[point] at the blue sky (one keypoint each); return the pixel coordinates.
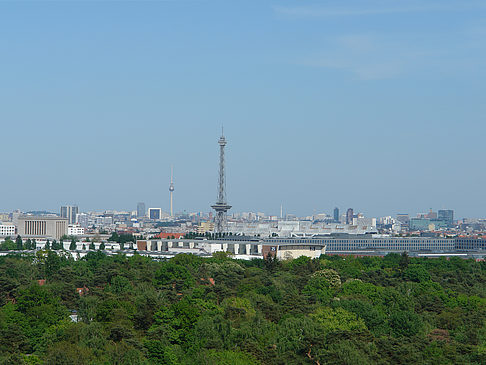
(375, 105)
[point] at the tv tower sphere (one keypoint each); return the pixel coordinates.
(171, 190)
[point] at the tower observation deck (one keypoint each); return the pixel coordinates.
(171, 191)
(221, 206)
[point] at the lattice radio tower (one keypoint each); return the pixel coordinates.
(221, 206)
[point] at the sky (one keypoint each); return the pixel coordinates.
(375, 105)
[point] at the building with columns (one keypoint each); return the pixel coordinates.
(30, 226)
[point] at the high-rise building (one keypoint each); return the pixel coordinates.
(141, 210)
(155, 213)
(336, 215)
(70, 212)
(446, 215)
(404, 219)
(349, 216)
(83, 220)
(431, 214)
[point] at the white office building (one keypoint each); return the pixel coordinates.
(75, 230)
(7, 230)
(297, 228)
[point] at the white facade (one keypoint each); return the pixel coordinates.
(7, 230)
(287, 228)
(362, 221)
(75, 230)
(284, 254)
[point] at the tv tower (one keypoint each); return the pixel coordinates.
(221, 207)
(171, 190)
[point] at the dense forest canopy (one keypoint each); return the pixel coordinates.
(190, 310)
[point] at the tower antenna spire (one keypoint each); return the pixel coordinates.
(171, 190)
(221, 206)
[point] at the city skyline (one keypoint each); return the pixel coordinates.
(366, 105)
(142, 211)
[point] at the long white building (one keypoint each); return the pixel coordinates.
(245, 249)
(300, 228)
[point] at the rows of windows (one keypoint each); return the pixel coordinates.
(390, 241)
(392, 246)
(470, 244)
(297, 240)
(298, 247)
(398, 244)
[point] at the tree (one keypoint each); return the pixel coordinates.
(296, 337)
(338, 319)
(53, 263)
(318, 290)
(271, 262)
(170, 274)
(92, 246)
(19, 243)
(405, 323)
(28, 244)
(8, 244)
(72, 246)
(330, 275)
(102, 246)
(64, 352)
(404, 260)
(416, 273)
(217, 310)
(48, 245)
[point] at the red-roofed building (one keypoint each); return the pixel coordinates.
(82, 291)
(170, 235)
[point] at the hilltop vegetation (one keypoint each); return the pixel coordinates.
(191, 310)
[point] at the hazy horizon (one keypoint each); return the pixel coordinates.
(374, 105)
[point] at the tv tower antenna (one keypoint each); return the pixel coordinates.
(171, 190)
(221, 206)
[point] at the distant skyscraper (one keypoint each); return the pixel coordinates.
(404, 220)
(431, 214)
(70, 212)
(336, 214)
(141, 210)
(446, 215)
(221, 207)
(349, 216)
